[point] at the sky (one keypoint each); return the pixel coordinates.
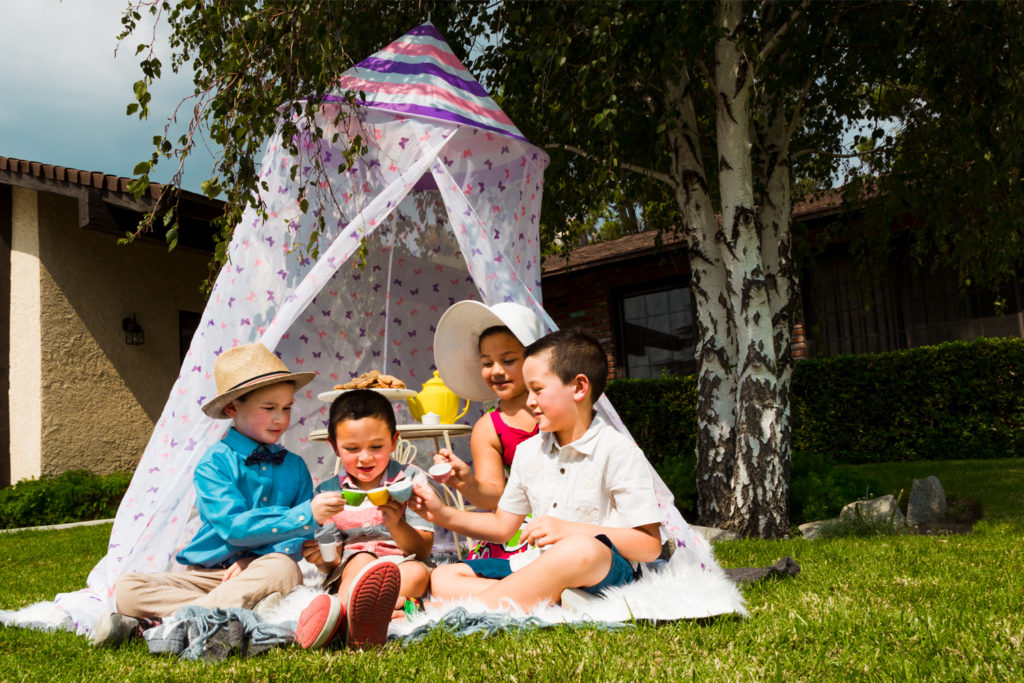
(63, 92)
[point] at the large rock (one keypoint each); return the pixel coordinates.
(927, 502)
(882, 511)
(815, 530)
(713, 534)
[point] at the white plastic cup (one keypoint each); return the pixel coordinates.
(329, 538)
(431, 419)
(329, 550)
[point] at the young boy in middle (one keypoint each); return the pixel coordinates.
(588, 486)
(363, 434)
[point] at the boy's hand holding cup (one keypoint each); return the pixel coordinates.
(425, 501)
(327, 504)
(392, 511)
(311, 553)
(329, 540)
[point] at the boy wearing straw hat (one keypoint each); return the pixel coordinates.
(255, 500)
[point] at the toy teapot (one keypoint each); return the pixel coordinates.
(436, 398)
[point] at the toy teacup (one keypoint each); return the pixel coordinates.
(378, 496)
(441, 472)
(353, 497)
(401, 490)
(329, 540)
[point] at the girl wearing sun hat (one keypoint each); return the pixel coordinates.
(478, 351)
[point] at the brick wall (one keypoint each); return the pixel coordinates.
(586, 298)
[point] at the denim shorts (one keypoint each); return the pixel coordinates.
(620, 573)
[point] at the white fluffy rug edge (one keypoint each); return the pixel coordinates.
(680, 590)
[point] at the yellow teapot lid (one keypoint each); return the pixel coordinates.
(435, 380)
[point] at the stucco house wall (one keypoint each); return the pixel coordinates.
(101, 397)
(79, 396)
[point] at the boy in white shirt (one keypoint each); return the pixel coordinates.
(588, 487)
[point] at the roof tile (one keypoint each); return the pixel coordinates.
(74, 176)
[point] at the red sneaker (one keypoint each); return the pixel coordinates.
(371, 602)
(320, 621)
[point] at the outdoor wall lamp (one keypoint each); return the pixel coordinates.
(134, 335)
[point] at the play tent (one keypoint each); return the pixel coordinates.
(443, 206)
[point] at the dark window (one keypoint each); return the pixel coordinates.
(658, 332)
(188, 323)
(899, 307)
(854, 314)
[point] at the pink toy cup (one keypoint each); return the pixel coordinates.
(441, 472)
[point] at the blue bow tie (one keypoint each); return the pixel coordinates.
(263, 454)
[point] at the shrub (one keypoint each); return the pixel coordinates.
(953, 401)
(73, 496)
(959, 400)
(662, 416)
(819, 490)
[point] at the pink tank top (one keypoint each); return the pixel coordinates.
(510, 437)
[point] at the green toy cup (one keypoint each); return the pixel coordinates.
(353, 497)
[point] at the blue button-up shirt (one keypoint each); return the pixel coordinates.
(248, 509)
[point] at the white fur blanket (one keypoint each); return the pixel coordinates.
(674, 590)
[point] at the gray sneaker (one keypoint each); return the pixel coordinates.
(115, 629)
(226, 640)
(170, 637)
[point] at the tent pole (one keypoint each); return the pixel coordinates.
(387, 304)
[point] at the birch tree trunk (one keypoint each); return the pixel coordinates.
(742, 281)
(716, 342)
(776, 211)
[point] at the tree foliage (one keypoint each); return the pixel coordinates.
(939, 128)
(949, 167)
(666, 114)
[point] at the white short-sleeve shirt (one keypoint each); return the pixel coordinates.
(602, 478)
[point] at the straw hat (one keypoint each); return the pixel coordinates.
(457, 342)
(246, 368)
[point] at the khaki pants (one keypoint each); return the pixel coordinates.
(149, 595)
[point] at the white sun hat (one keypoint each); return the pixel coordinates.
(457, 342)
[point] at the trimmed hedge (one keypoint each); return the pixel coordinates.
(958, 400)
(954, 401)
(662, 416)
(73, 496)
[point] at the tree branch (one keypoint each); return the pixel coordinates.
(650, 173)
(797, 111)
(774, 40)
(822, 152)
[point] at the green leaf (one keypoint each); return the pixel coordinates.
(139, 186)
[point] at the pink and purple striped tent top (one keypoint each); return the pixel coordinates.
(419, 75)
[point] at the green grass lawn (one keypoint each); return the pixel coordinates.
(886, 608)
